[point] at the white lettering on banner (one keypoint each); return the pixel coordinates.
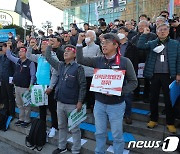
(122, 2)
(110, 3)
(110, 11)
(5, 19)
(26, 97)
(100, 4)
(108, 81)
(38, 95)
(170, 144)
(75, 118)
(2, 16)
(109, 7)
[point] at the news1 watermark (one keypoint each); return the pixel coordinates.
(169, 144)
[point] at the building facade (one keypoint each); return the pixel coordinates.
(9, 17)
(81, 11)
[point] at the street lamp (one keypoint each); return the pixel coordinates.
(46, 26)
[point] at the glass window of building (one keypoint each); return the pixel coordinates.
(90, 11)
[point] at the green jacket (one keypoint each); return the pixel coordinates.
(173, 54)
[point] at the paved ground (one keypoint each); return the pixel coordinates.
(7, 149)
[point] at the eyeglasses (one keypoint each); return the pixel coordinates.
(106, 42)
(163, 29)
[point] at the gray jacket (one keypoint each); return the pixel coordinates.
(94, 61)
(34, 58)
(91, 50)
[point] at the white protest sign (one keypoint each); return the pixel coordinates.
(140, 70)
(75, 118)
(26, 97)
(108, 81)
(38, 95)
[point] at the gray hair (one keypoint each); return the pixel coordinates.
(93, 33)
(161, 18)
(144, 21)
(167, 25)
(128, 22)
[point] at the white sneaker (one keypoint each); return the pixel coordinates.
(52, 132)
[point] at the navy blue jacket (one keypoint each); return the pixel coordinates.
(67, 88)
(7, 68)
(22, 76)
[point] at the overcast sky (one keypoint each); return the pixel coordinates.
(41, 12)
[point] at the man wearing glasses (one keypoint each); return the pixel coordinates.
(109, 106)
(162, 67)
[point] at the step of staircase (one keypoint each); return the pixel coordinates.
(138, 117)
(17, 140)
(88, 147)
(146, 106)
(138, 129)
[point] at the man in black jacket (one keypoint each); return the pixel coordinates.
(12, 39)
(131, 32)
(130, 51)
(33, 42)
(142, 57)
(6, 73)
(109, 107)
(23, 78)
(57, 47)
(175, 29)
(103, 29)
(74, 37)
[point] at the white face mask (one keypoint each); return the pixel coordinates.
(87, 40)
(121, 36)
(60, 31)
(159, 48)
(116, 23)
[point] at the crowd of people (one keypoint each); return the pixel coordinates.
(65, 62)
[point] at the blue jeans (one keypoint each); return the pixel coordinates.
(114, 113)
